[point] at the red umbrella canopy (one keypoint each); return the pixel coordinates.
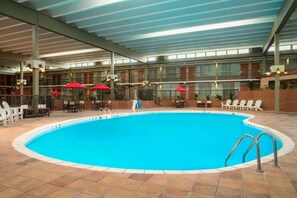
(55, 92)
(75, 85)
(100, 87)
(180, 89)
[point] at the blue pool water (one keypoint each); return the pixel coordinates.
(154, 141)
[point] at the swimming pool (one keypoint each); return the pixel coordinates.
(152, 141)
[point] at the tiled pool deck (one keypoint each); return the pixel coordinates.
(22, 176)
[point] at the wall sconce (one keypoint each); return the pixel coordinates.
(112, 77)
(146, 83)
(288, 60)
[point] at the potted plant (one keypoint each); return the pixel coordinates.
(207, 97)
(195, 96)
(218, 97)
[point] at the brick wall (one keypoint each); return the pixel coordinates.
(288, 99)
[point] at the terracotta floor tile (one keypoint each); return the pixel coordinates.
(232, 174)
(228, 192)
(181, 184)
(82, 195)
(198, 195)
(279, 182)
(119, 193)
(143, 195)
(98, 189)
(279, 192)
(256, 178)
(151, 189)
(79, 173)
(248, 194)
(62, 193)
(131, 184)
(211, 179)
(204, 189)
(14, 181)
(141, 177)
(48, 177)
(5, 175)
(230, 183)
(112, 180)
(28, 185)
(172, 192)
(159, 179)
(44, 190)
(10, 193)
(95, 176)
(255, 187)
(26, 195)
(63, 181)
(80, 185)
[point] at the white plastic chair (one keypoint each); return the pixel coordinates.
(257, 106)
(3, 119)
(248, 105)
(234, 104)
(240, 105)
(11, 113)
(226, 105)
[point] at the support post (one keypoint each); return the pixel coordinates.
(276, 77)
(112, 73)
(35, 85)
(21, 85)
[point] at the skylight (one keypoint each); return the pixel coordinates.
(70, 53)
(207, 27)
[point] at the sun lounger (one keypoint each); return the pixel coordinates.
(248, 105)
(234, 104)
(240, 105)
(226, 105)
(257, 106)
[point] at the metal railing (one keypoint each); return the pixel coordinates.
(255, 142)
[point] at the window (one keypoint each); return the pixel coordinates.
(153, 58)
(271, 49)
(119, 61)
(180, 56)
(126, 60)
(294, 46)
(285, 47)
(200, 54)
(133, 61)
(170, 57)
(221, 53)
(91, 64)
(84, 64)
(243, 51)
(210, 53)
(106, 62)
(191, 55)
(231, 52)
(78, 65)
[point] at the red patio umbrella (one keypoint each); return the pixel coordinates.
(180, 89)
(74, 85)
(55, 92)
(100, 87)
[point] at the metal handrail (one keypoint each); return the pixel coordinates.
(255, 141)
(274, 147)
(107, 110)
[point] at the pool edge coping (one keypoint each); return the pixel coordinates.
(19, 145)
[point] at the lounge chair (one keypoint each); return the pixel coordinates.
(226, 105)
(257, 105)
(12, 114)
(3, 119)
(240, 105)
(234, 104)
(248, 105)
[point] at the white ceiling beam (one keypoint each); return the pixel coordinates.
(284, 15)
(28, 15)
(44, 5)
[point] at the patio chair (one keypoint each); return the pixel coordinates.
(226, 105)
(11, 113)
(3, 119)
(108, 105)
(81, 105)
(234, 104)
(240, 105)
(65, 105)
(248, 105)
(257, 106)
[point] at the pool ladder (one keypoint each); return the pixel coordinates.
(106, 111)
(254, 142)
